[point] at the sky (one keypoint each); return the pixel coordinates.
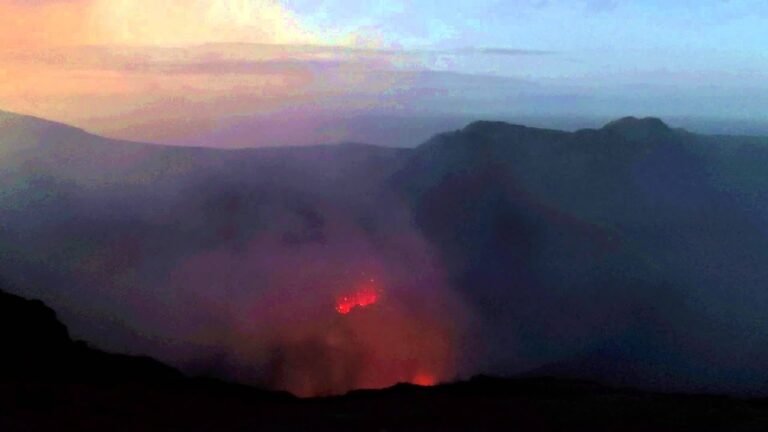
(181, 71)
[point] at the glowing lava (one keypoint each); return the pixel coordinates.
(365, 296)
(424, 379)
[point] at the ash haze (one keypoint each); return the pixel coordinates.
(234, 73)
(322, 197)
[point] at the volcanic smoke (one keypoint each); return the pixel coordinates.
(313, 317)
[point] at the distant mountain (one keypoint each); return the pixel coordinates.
(635, 237)
(637, 247)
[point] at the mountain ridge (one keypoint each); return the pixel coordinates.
(520, 223)
(622, 124)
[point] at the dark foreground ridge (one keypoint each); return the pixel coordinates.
(49, 382)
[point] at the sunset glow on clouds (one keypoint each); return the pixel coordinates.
(119, 66)
(159, 22)
(175, 71)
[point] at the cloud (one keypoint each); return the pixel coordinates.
(44, 23)
(206, 58)
(172, 66)
(159, 22)
(179, 22)
(514, 52)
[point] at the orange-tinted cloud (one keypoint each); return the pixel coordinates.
(178, 22)
(159, 22)
(34, 24)
(171, 71)
(120, 66)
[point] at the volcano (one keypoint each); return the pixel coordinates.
(496, 248)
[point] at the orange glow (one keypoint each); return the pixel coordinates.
(424, 379)
(160, 22)
(44, 24)
(148, 70)
(183, 22)
(365, 296)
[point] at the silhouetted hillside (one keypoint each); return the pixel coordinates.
(37, 349)
(50, 383)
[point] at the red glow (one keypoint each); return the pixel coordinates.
(424, 379)
(365, 296)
